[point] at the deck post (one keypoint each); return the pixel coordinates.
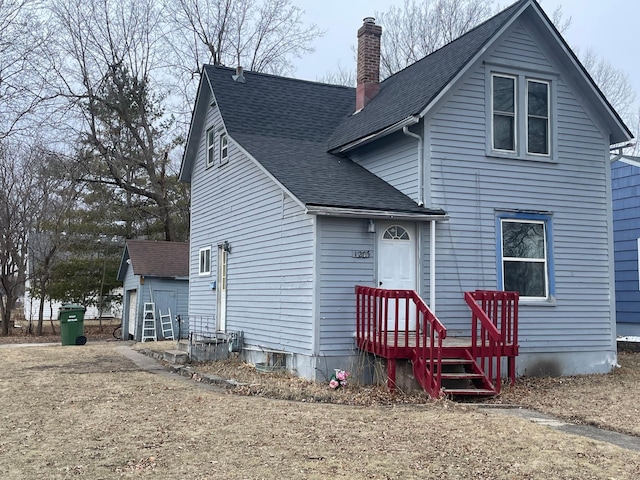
(391, 374)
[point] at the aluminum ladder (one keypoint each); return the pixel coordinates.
(149, 322)
(166, 326)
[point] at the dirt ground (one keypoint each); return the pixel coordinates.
(89, 412)
(94, 330)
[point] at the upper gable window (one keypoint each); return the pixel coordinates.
(210, 147)
(520, 116)
(224, 149)
(504, 113)
(537, 117)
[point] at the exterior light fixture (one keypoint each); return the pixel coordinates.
(371, 226)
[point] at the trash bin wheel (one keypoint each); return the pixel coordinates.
(81, 340)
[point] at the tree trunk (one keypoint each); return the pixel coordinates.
(40, 316)
(6, 317)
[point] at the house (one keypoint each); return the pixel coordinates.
(45, 256)
(482, 167)
(626, 233)
(155, 278)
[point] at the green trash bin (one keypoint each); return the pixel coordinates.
(72, 324)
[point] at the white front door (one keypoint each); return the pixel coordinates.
(223, 257)
(397, 266)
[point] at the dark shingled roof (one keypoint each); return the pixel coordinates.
(285, 123)
(409, 91)
(156, 259)
(290, 125)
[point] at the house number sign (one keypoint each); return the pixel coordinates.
(361, 253)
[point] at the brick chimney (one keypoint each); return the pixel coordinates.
(368, 62)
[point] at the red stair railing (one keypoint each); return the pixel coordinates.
(494, 332)
(422, 342)
(428, 352)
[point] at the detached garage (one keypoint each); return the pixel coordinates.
(155, 278)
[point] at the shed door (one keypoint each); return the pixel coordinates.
(397, 266)
(133, 308)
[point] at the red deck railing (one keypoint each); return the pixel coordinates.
(398, 324)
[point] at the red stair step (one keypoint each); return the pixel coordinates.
(460, 375)
(469, 391)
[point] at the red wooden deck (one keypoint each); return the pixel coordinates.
(397, 324)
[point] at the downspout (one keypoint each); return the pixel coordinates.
(432, 266)
(432, 223)
(408, 133)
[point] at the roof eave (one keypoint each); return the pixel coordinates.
(191, 145)
(347, 212)
(405, 122)
(481, 51)
(122, 269)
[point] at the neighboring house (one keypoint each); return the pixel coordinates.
(157, 273)
(626, 234)
(484, 165)
(39, 246)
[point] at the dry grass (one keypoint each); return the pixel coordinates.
(609, 401)
(88, 412)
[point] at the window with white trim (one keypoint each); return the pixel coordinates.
(520, 116)
(504, 112)
(537, 117)
(205, 261)
(525, 261)
(395, 232)
(210, 147)
(224, 149)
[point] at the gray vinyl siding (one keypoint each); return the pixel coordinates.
(340, 272)
(270, 267)
(167, 293)
(395, 160)
(626, 218)
(572, 186)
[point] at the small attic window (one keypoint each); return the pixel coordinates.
(210, 147)
(224, 149)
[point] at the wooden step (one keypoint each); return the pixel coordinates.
(456, 361)
(469, 391)
(460, 375)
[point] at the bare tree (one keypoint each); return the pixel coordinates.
(259, 35)
(614, 82)
(561, 22)
(418, 28)
(108, 63)
(48, 237)
(20, 93)
(341, 76)
(20, 203)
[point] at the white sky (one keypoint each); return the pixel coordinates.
(606, 26)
